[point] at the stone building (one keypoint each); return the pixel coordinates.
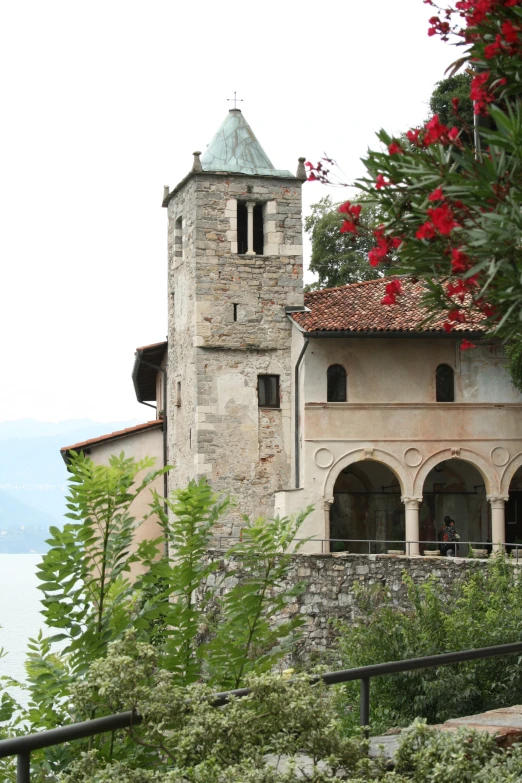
(380, 422)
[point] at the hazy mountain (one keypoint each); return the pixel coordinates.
(23, 528)
(33, 474)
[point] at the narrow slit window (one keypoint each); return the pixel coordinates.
(268, 391)
(178, 239)
(178, 394)
(336, 383)
(242, 227)
(445, 383)
(235, 311)
(258, 230)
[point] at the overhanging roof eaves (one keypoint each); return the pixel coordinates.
(144, 375)
(412, 334)
(86, 445)
(180, 185)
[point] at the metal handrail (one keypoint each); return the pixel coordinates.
(22, 747)
(502, 546)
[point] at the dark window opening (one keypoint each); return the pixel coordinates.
(258, 229)
(445, 383)
(242, 227)
(268, 391)
(235, 311)
(336, 384)
(178, 238)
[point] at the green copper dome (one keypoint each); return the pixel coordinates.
(235, 149)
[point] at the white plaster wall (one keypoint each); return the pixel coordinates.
(138, 445)
(391, 416)
(384, 369)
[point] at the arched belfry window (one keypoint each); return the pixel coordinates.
(445, 383)
(336, 383)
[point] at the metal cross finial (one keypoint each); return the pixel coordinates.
(235, 100)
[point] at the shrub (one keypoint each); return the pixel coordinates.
(484, 609)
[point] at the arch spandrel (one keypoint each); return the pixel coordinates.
(509, 471)
(486, 470)
(361, 455)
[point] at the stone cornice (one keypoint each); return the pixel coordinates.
(447, 406)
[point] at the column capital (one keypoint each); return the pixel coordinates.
(250, 205)
(497, 501)
(411, 502)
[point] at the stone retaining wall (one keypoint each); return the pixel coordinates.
(331, 581)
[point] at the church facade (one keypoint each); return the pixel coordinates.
(383, 425)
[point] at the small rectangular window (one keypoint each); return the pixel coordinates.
(178, 394)
(235, 312)
(268, 391)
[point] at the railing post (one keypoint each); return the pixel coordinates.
(23, 768)
(365, 703)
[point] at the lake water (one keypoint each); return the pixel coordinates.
(20, 617)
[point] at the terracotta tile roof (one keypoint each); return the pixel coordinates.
(357, 308)
(86, 444)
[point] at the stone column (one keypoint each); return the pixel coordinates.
(326, 544)
(498, 521)
(250, 228)
(412, 525)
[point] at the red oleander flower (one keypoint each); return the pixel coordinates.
(413, 135)
(465, 345)
(455, 103)
(348, 227)
(447, 326)
(350, 209)
(493, 49)
(458, 289)
(437, 195)
(426, 231)
(487, 309)
(381, 182)
(459, 261)
(374, 258)
(510, 32)
(458, 316)
(395, 149)
(394, 287)
(442, 219)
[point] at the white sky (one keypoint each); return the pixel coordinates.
(103, 103)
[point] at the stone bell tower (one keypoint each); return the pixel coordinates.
(235, 263)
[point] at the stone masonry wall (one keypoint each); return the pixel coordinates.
(217, 351)
(330, 581)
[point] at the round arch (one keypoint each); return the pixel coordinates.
(509, 471)
(486, 470)
(361, 455)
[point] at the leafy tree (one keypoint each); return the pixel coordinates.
(454, 88)
(213, 633)
(200, 631)
(338, 258)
